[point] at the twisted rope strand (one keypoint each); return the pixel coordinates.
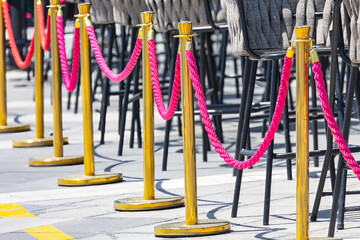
(69, 80)
(14, 50)
(320, 85)
(102, 63)
(45, 38)
(169, 113)
(284, 84)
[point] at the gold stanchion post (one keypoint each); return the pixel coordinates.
(89, 178)
(148, 202)
(302, 132)
(192, 226)
(40, 140)
(4, 126)
(58, 159)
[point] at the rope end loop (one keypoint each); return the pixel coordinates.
(290, 52)
(77, 23)
(87, 22)
(151, 34)
(188, 46)
(140, 36)
(314, 56)
(59, 13)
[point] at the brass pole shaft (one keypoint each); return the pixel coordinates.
(187, 100)
(86, 91)
(302, 133)
(3, 110)
(148, 112)
(56, 85)
(39, 78)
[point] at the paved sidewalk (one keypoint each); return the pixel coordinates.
(87, 212)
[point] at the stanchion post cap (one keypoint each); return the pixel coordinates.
(302, 32)
(185, 28)
(84, 8)
(54, 2)
(147, 17)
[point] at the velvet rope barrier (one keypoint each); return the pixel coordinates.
(45, 38)
(284, 84)
(169, 113)
(335, 131)
(101, 61)
(70, 80)
(14, 50)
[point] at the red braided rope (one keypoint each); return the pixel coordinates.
(14, 50)
(320, 85)
(175, 95)
(102, 63)
(284, 84)
(69, 80)
(45, 38)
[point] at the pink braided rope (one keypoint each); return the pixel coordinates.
(320, 85)
(284, 84)
(69, 80)
(104, 67)
(169, 113)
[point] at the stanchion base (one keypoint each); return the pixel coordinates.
(320, 238)
(82, 180)
(204, 227)
(140, 204)
(36, 142)
(14, 128)
(48, 161)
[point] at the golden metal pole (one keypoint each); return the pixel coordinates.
(56, 85)
(39, 140)
(39, 78)
(87, 94)
(187, 100)
(192, 225)
(4, 127)
(148, 202)
(302, 132)
(89, 178)
(3, 110)
(58, 159)
(148, 112)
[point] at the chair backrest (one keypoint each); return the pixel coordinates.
(169, 13)
(350, 12)
(270, 23)
(128, 12)
(102, 11)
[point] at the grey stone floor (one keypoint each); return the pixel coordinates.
(87, 212)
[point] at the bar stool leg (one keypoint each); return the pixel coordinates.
(270, 150)
(245, 129)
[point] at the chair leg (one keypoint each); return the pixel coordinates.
(340, 224)
(266, 94)
(345, 131)
(287, 139)
(202, 67)
(213, 84)
(135, 113)
(106, 86)
(168, 123)
(245, 128)
(126, 97)
(222, 64)
(245, 84)
(314, 124)
(77, 93)
(270, 150)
